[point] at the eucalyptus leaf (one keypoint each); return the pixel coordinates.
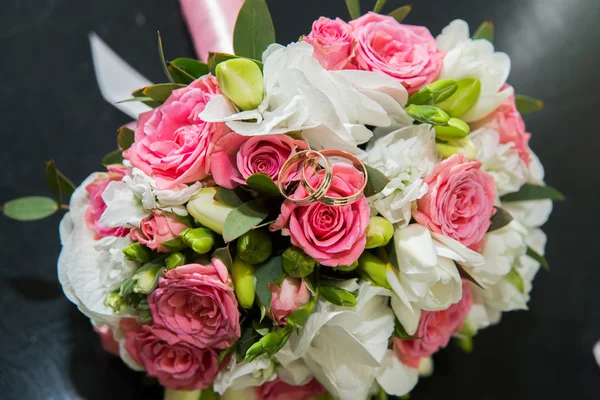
(500, 219)
(215, 58)
(379, 6)
(163, 61)
(267, 273)
(530, 191)
(337, 296)
(224, 255)
(115, 157)
(254, 30)
(377, 181)
(30, 208)
(243, 218)
(65, 184)
(186, 70)
(401, 13)
(248, 338)
(139, 96)
(229, 197)
(353, 8)
(161, 92)
(125, 137)
(485, 31)
(538, 257)
(263, 184)
(528, 105)
(52, 180)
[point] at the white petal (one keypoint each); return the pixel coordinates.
(409, 319)
(122, 208)
(415, 242)
(487, 103)
(461, 252)
(597, 352)
(396, 378)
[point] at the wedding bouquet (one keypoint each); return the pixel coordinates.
(307, 221)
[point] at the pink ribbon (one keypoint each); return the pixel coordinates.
(211, 24)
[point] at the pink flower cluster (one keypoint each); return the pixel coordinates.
(378, 43)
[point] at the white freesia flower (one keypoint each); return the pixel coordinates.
(501, 161)
(405, 156)
(396, 378)
(240, 375)
(123, 209)
(115, 268)
(343, 347)
(467, 58)
(144, 188)
(80, 264)
(597, 352)
(331, 108)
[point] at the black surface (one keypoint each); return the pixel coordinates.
(50, 107)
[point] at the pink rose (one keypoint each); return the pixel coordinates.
(279, 390)
(108, 341)
(172, 142)
(96, 206)
(434, 330)
(236, 157)
(287, 298)
(176, 363)
(197, 304)
(156, 229)
(405, 52)
(332, 41)
(332, 235)
(459, 202)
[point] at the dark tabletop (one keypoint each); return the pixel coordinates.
(50, 107)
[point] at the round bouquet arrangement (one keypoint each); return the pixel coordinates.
(309, 221)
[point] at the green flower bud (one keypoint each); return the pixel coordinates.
(145, 317)
(172, 394)
(242, 274)
(175, 260)
(456, 129)
(427, 114)
(137, 252)
(175, 244)
(347, 268)
(115, 301)
(207, 211)
(201, 240)
(269, 344)
(464, 146)
(379, 232)
(373, 268)
(434, 92)
(463, 99)
(296, 263)
(337, 296)
(254, 246)
(241, 80)
(146, 278)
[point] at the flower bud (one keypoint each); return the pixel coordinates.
(427, 114)
(347, 268)
(379, 232)
(115, 301)
(207, 211)
(269, 344)
(137, 252)
(172, 394)
(373, 268)
(241, 80)
(174, 260)
(463, 99)
(464, 146)
(254, 246)
(456, 129)
(242, 274)
(435, 92)
(146, 278)
(201, 240)
(338, 296)
(426, 367)
(296, 263)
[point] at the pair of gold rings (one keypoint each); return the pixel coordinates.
(295, 170)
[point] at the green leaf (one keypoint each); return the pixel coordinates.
(377, 181)
(379, 6)
(243, 218)
(125, 137)
(65, 184)
(224, 255)
(216, 58)
(254, 30)
(163, 61)
(400, 332)
(224, 353)
(248, 338)
(262, 328)
(161, 92)
(485, 31)
(139, 96)
(528, 105)
(538, 257)
(263, 184)
(269, 344)
(466, 344)
(337, 296)
(175, 244)
(500, 219)
(52, 179)
(115, 157)
(467, 275)
(298, 318)
(229, 197)
(401, 13)
(529, 191)
(30, 208)
(186, 70)
(353, 8)
(266, 273)
(516, 280)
